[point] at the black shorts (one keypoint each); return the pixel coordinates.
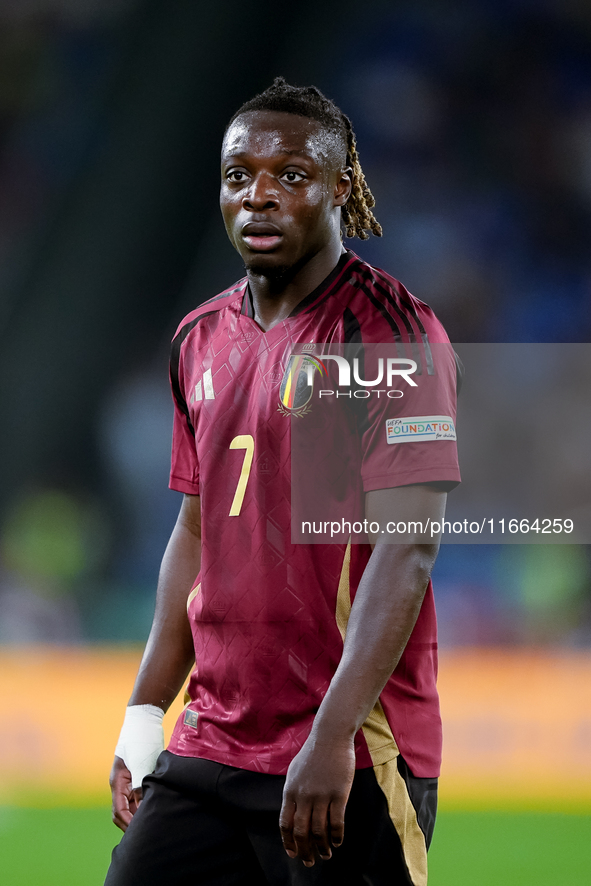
(206, 824)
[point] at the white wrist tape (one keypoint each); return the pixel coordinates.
(141, 740)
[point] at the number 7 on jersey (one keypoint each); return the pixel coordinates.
(246, 442)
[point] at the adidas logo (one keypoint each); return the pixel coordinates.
(204, 390)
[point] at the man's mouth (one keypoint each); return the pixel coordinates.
(260, 237)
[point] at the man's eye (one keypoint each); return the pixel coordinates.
(292, 176)
(236, 175)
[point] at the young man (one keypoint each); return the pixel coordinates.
(313, 717)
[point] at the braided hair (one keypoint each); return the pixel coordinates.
(308, 101)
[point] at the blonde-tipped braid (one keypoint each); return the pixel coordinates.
(358, 218)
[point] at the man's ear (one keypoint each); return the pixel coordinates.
(343, 187)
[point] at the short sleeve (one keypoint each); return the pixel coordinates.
(411, 438)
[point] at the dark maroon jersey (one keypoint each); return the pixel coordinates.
(269, 616)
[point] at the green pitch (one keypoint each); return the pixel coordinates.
(72, 847)
(521, 848)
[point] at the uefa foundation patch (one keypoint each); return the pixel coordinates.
(420, 428)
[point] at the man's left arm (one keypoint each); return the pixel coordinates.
(383, 615)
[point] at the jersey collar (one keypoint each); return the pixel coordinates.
(247, 308)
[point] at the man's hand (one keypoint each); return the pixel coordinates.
(125, 799)
(383, 615)
(317, 788)
(167, 660)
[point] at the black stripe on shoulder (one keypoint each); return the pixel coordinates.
(409, 304)
(175, 354)
(395, 328)
(409, 330)
(428, 354)
(460, 372)
(352, 336)
(399, 312)
(324, 289)
(352, 329)
(347, 269)
(405, 301)
(413, 312)
(360, 285)
(247, 309)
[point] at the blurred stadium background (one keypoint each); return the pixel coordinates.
(473, 120)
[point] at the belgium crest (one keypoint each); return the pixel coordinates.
(297, 385)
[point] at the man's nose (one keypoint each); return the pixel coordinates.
(262, 194)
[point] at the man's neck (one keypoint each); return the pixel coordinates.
(274, 298)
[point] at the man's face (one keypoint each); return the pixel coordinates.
(283, 183)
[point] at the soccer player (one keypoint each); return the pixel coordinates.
(309, 747)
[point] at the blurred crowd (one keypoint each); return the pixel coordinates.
(473, 122)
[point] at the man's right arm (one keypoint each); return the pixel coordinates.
(169, 653)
